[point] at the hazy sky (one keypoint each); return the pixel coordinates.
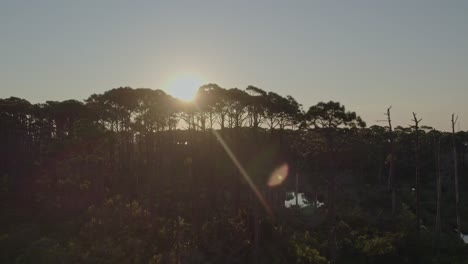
(368, 55)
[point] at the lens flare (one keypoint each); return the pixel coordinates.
(242, 171)
(278, 176)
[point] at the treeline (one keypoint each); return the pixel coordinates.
(137, 176)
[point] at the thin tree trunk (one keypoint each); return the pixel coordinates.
(418, 215)
(296, 194)
(331, 203)
(439, 188)
(455, 172)
(391, 175)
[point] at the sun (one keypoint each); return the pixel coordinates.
(184, 86)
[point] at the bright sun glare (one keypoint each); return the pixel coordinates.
(184, 86)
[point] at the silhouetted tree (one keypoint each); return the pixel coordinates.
(331, 120)
(418, 191)
(455, 172)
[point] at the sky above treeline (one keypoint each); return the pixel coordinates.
(368, 55)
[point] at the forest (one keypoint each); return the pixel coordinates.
(138, 176)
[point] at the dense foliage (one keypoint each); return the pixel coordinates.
(137, 176)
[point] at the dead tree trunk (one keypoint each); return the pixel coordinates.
(418, 215)
(455, 172)
(391, 177)
(439, 187)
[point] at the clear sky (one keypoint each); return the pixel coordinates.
(368, 55)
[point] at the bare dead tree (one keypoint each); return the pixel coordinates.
(455, 171)
(418, 215)
(391, 177)
(439, 186)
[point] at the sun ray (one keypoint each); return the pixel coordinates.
(243, 172)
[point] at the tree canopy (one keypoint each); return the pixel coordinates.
(138, 176)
